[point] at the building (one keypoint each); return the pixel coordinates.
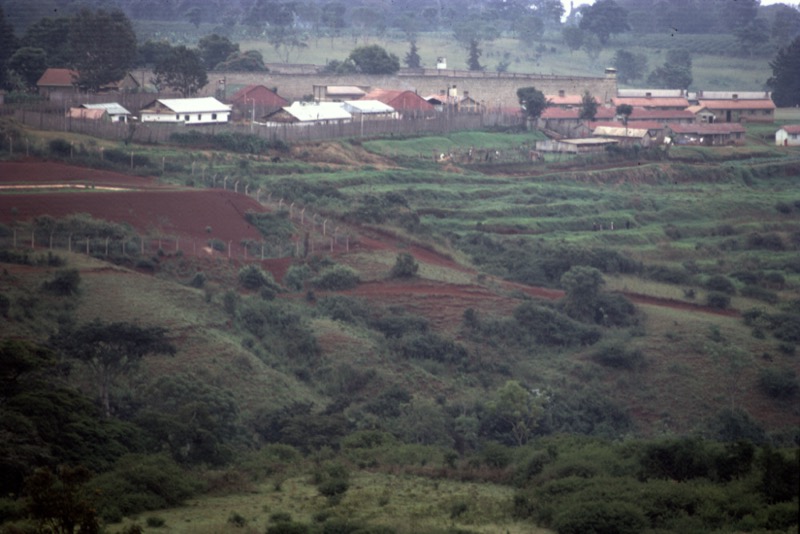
(407, 103)
(307, 113)
(788, 135)
(114, 111)
(664, 99)
(565, 101)
(338, 93)
(369, 110)
(576, 146)
(57, 83)
(204, 110)
(88, 114)
(256, 101)
(626, 136)
(717, 134)
(738, 107)
(701, 114)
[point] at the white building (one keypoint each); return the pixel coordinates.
(788, 135)
(369, 109)
(116, 113)
(206, 110)
(310, 113)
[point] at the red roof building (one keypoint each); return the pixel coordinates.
(407, 103)
(55, 81)
(741, 109)
(652, 102)
(707, 134)
(256, 101)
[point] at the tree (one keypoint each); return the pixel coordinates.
(474, 56)
(103, 47)
(8, 44)
(182, 71)
(152, 53)
(582, 287)
(630, 66)
(588, 107)
(573, 37)
(739, 13)
(111, 350)
(604, 18)
(60, 502)
(675, 73)
(532, 101)
(625, 111)
(29, 63)
(786, 24)
(374, 60)
(215, 49)
(248, 61)
(405, 266)
(412, 59)
(785, 80)
(52, 36)
(518, 408)
(470, 33)
(752, 34)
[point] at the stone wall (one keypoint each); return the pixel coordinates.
(492, 89)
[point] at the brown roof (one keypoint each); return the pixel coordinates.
(82, 113)
(791, 128)
(58, 78)
(260, 95)
(708, 129)
(764, 103)
(642, 125)
(400, 100)
(652, 102)
(567, 100)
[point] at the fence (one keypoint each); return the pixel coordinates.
(57, 120)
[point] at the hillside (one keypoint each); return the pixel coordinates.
(400, 300)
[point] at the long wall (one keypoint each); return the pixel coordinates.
(493, 89)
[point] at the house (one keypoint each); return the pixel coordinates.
(205, 110)
(114, 111)
(788, 135)
(576, 146)
(128, 84)
(256, 101)
(469, 104)
(437, 101)
(664, 99)
(565, 101)
(655, 129)
(57, 83)
(717, 134)
(369, 110)
(88, 114)
(702, 114)
(338, 93)
(308, 113)
(738, 107)
(626, 136)
(407, 103)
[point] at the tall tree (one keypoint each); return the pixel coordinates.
(752, 34)
(588, 107)
(625, 111)
(52, 36)
(785, 80)
(412, 59)
(29, 63)
(532, 101)
(675, 73)
(103, 47)
(182, 71)
(604, 18)
(8, 45)
(786, 24)
(215, 49)
(111, 350)
(374, 60)
(630, 66)
(573, 37)
(518, 408)
(582, 288)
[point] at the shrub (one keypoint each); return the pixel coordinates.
(254, 277)
(405, 266)
(60, 147)
(618, 357)
(431, 346)
(237, 520)
(345, 309)
(155, 521)
(296, 276)
(600, 517)
(770, 241)
(759, 293)
(719, 300)
(336, 278)
(64, 283)
(198, 280)
(778, 383)
(721, 284)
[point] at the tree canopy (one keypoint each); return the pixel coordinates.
(373, 59)
(102, 47)
(532, 100)
(182, 70)
(785, 80)
(588, 107)
(675, 73)
(214, 49)
(604, 18)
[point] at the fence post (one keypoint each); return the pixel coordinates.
(87, 245)
(262, 250)
(69, 242)
(177, 243)
(229, 249)
(141, 244)
(106, 247)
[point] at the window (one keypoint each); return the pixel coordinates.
(213, 116)
(177, 116)
(199, 116)
(186, 117)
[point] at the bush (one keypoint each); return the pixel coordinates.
(64, 283)
(336, 278)
(296, 276)
(778, 383)
(404, 267)
(254, 277)
(430, 346)
(345, 309)
(60, 147)
(198, 280)
(759, 293)
(600, 517)
(618, 357)
(721, 284)
(719, 300)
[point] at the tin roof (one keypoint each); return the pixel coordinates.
(367, 106)
(82, 113)
(112, 108)
(652, 102)
(206, 104)
(708, 129)
(791, 128)
(344, 90)
(317, 111)
(58, 78)
(400, 100)
(763, 103)
(613, 131)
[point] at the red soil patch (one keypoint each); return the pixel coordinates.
(48, 172)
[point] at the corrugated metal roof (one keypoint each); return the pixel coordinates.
(81, 113)
(614, 131)
(657, 93)
(338, 90)
(791, 128)
(729, 95)
(112, 108)
(589, 141)
(319, 111)
(763, 103)
(652, 102)
(367, 106)
(708, 129)
(207, 104)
